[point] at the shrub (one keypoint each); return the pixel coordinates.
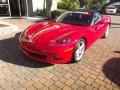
(56, 13)
(68, 4)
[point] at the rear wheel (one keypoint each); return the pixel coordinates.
(106, 32)
(79, 51)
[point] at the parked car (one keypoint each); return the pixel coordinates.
(111, 10)
(117, 5)
(65, 39)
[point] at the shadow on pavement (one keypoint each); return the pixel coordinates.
(117, 52)
(111, 69)
(9, 52)
(115, 23)
(114, 27)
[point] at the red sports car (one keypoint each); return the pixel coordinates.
(65, 39)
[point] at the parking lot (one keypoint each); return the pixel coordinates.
(99, 68)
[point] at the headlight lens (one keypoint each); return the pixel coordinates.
(63, 40)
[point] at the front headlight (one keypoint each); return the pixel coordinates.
(63, 40)
(60, 41)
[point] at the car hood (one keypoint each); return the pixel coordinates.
(41, 34)
(50, 30)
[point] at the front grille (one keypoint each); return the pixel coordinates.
(43, 57)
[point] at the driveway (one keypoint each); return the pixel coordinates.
(99, 68)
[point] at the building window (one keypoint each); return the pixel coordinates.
(4, 8)
(3, 1)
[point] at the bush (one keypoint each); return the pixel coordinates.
(56, 13)
(68, 4)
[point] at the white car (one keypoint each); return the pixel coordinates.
(111, 10)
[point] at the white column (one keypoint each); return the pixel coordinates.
(27, 8)
(9, 8)
(19, 7)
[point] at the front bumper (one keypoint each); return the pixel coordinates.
(54, 56)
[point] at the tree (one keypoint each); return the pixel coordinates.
(48, 8)
(44, 4)
(68, 4)
(95, 3)
(83, 3)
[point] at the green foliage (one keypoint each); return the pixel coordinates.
(56, 13)
(68, 4)
(83, 3)
(95, 3)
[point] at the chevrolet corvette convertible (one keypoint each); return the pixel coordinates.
(66, 38)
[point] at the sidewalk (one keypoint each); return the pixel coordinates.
(7, 30)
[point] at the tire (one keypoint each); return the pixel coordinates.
(79, 51)
(106, 32)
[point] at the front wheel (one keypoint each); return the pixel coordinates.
(79, 50)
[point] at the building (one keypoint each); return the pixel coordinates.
(27, 8)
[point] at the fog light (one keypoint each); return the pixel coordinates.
(57, 58)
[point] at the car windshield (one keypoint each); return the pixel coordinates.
(73, 18)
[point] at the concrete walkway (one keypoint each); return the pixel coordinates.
(10, 29)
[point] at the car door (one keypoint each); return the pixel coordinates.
(98, 27)
(91, 34)
(92, 31)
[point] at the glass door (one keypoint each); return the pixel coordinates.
(14, 6)
(23, 7)
(18, 7)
